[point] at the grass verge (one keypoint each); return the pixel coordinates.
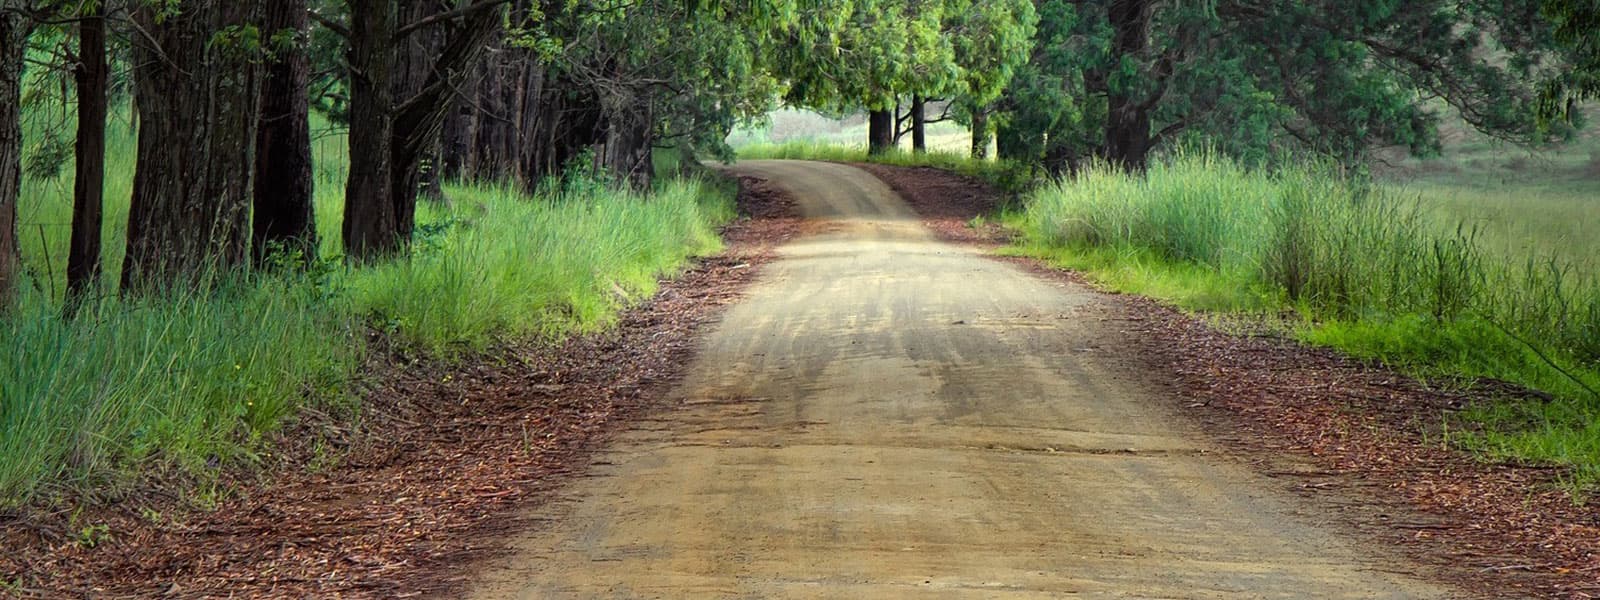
(189, 382)
(1363, 270)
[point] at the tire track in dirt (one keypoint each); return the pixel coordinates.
(889, 416)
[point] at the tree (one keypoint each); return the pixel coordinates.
(88, 190)
(389, 135)
(864, 55)
(1575, 25)
(198, 75)
(1253, 79)
(284, 218)
(15, 25)
(992, 39)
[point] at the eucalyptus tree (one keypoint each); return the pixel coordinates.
(91, 74)
(392, 133)
(992, 40)
(284, 219)
(15, 25)
(1576, 27)
(1332, 76)
(198, 75)
(612, 81)
(848, 55)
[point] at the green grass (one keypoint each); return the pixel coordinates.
(1375, 273)
(184, 383)
(787, 125)
(1006, 176)
(512, 268)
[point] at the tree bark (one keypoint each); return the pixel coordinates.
(198, 89)
(880, 131)
(370, 224)
(919, 124)
(1128, 141)
(88, 188)
(391, 137)
(14, 29)
(980, 133)
(285, 218)
(419, 120)
(626, 152)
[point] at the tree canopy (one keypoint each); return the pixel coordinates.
(524, 89)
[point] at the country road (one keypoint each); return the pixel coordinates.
(890, 416)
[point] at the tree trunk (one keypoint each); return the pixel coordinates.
(980, 133)
(391, 141)
(626, 151)
(919, 124)
(88, 188)
(419, 120)
(1128, 141)
(370, 223)
(414, 61)
(14, 29)
(285, 218)
(198, 88)
(880, 131)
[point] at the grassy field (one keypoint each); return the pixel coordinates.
(183, 383)
(1439, 282)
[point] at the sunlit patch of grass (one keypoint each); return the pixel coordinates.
(494, 264)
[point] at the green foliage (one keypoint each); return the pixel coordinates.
(1375, 275)
(187, 381)
(1262, 81)
(579, 255)
(868, 54)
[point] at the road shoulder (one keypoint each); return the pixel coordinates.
(1357, 443)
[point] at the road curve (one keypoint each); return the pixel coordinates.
(890, 416)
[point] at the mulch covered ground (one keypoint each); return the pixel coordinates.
(442, 465)
(1360, 442)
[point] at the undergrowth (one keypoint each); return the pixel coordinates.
(1371, 272)
(194, 380)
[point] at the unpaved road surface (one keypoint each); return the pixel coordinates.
(890, 416)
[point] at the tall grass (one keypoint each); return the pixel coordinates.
(496, 266)
(192, 380)
(1373, 273)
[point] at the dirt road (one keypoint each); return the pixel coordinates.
(889, 416)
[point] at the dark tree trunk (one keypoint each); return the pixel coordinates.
(880, 131)
(199, 95)
(626, 151)
(523, 122)
(419, 120)
(370, 223)
(980, 133)
(1128, 140)
(14, 30)
(285, 219)
(919, 124)
(88, 188)
(413, 68)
